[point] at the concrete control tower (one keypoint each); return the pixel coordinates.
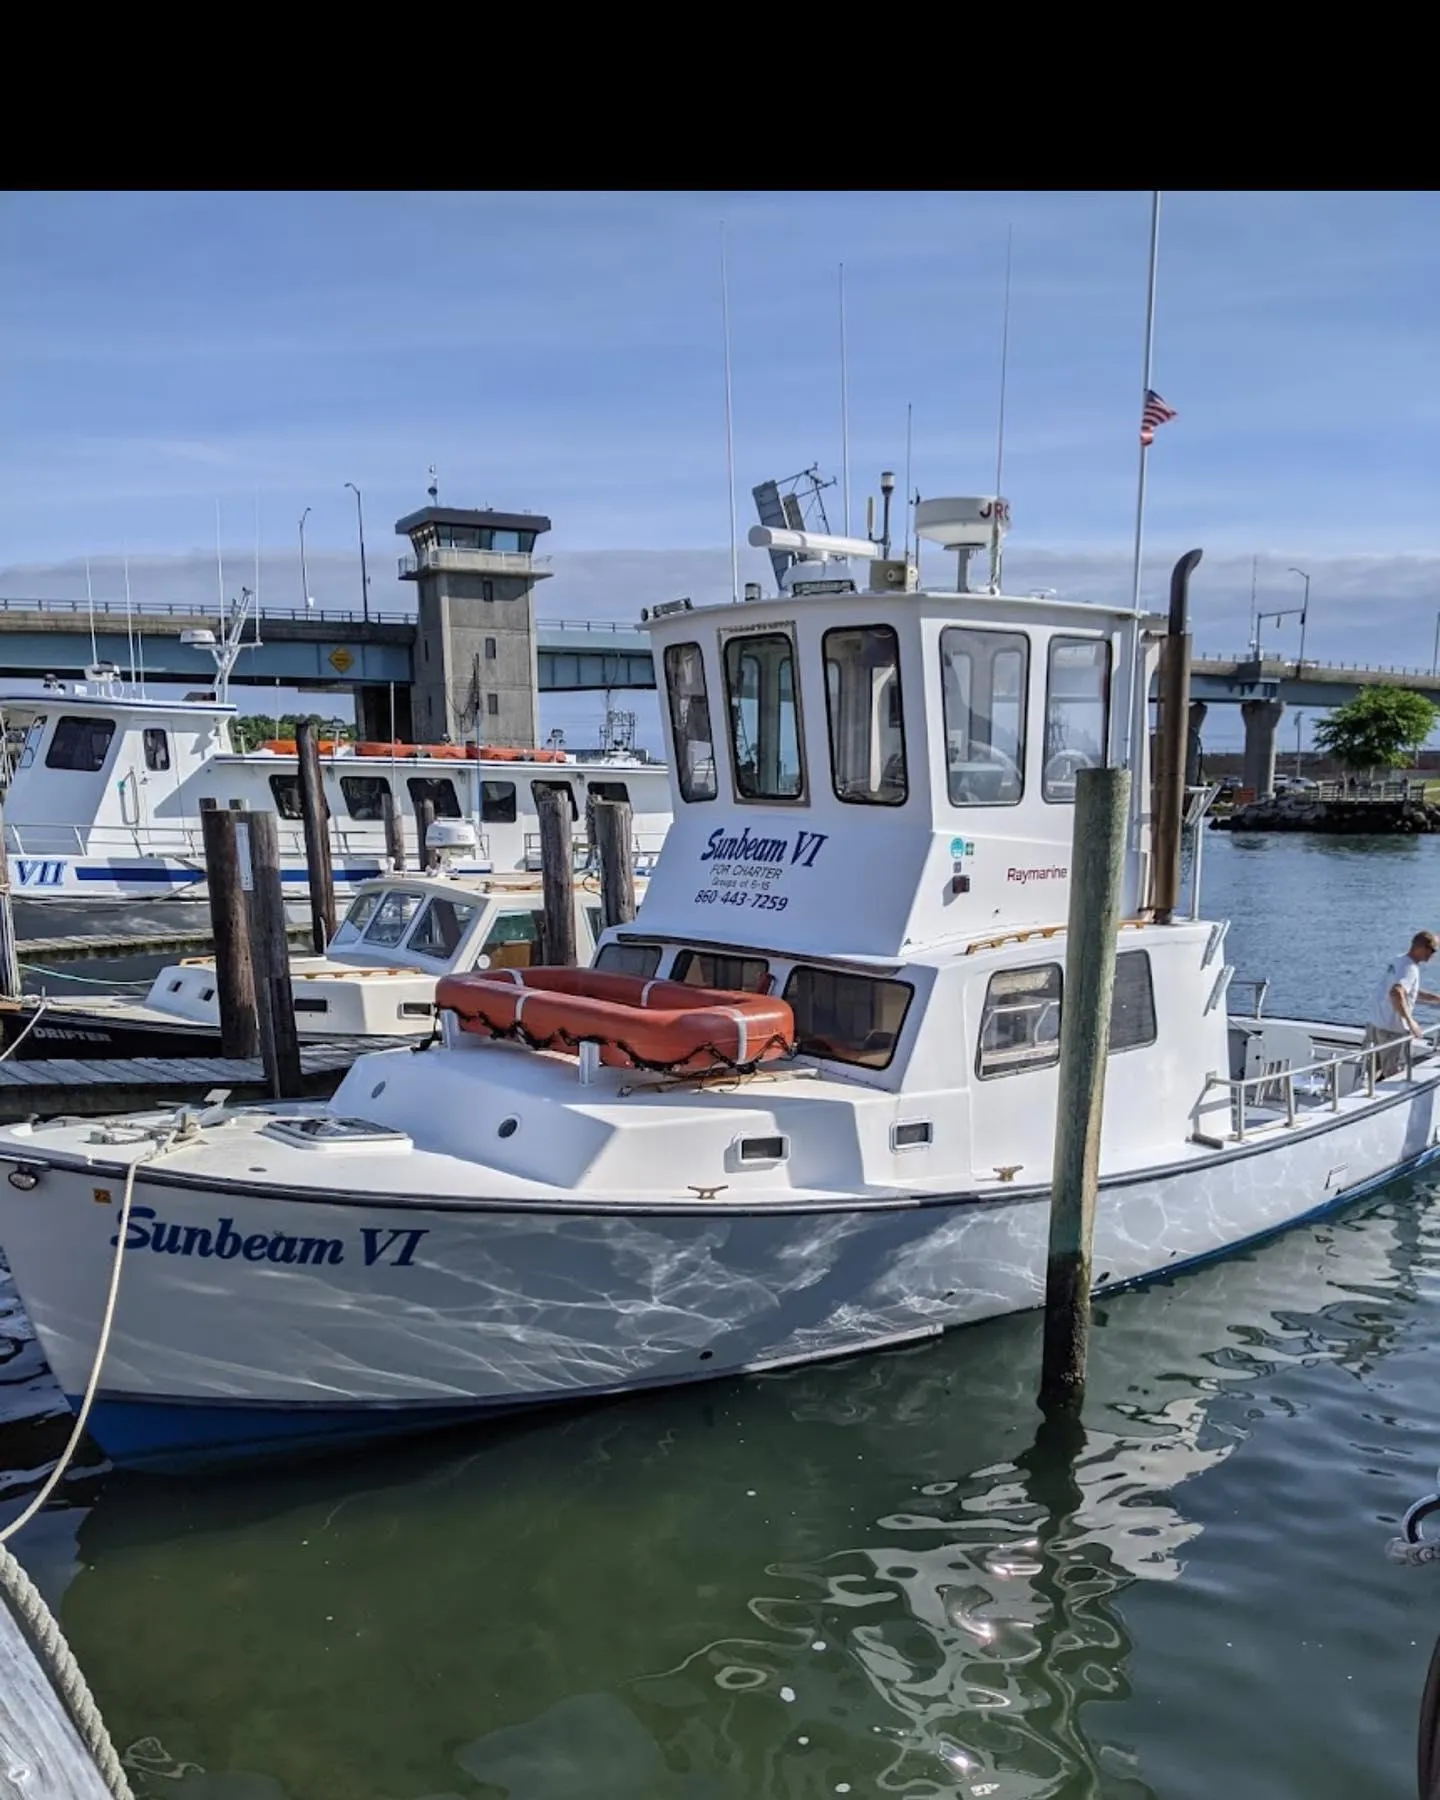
(475, 643)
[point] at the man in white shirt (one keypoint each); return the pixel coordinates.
(1392, 1013)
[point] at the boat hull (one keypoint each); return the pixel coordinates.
(254, 1320)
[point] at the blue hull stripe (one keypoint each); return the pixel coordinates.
(150, 872)
(172, 1435)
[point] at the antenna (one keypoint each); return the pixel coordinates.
(90, 599)
(1254, 622)
(220, 565)
(729, 421)
(844, 413)
(434, 488)
(1004, 364)
(909, 421)
(1145, 390)
(129, 631)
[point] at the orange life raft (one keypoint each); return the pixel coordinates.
(637, 1023)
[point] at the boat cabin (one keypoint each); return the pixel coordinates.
(873, 790)
(112, 775)
(400, 935)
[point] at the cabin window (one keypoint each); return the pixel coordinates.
(80, 744)
(714, 969)
(985, 677)
(439, 790)
(1132, 1010)
(33, 736)
(690, 721)
(555, 787)
(629, 959)
(362, 910)
(1077, 713)
(392, 917)
(610, 790)
(492, 704)
(862, 701)
(847, 1018)
(365, 795)
(489, 649)
(497, 802)
(442, 925)
(764, 700)
(157, 748)
(595, 919)
(286, 792)
(513, 942)
(1020, 1024)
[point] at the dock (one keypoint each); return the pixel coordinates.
(101, 946)
(52, 1086)
(40, 1749)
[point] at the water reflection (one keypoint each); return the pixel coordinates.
(867, 1579)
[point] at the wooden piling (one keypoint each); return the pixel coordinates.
(9, 954)
(557, 876)
(1102, 798)
(279, 1034)
(317, 837)
(42, 1751)
(424, 819)
(394, 832)
(617, 865)
(230, 925)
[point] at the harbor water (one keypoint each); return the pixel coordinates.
(865, 1578)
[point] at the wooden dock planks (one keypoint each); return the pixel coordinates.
(140, 1083)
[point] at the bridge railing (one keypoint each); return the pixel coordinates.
(176, 609)
(1315, 667)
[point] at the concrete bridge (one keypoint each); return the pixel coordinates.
(298, 648)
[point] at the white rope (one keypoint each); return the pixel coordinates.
(35, 1019)
(57, 1474)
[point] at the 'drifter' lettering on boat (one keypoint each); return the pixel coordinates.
(723, 846)
(396, 1248)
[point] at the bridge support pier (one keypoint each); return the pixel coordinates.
(1194, 749)
(1262, 727)
(372, 715)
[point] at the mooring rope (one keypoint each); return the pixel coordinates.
(26, 1601)
(30, 1025)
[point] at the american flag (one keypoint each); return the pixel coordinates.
(1154, 412)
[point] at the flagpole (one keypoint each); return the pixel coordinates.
(1145, 389)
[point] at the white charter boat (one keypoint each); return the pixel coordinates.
(802, 1107)
(102, 812)
(400, 937)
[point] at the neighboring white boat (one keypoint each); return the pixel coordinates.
(102, 814)
(803, 1106)
(402, 934)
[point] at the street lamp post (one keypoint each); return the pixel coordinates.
(1435, 656)
(304, 578)
(1299, 718)
(1304, 615)
(364, 578)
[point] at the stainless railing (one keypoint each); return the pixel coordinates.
(1324, 1074)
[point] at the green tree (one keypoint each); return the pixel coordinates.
(1381, 728)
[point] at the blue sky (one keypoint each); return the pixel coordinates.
(562, 353)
